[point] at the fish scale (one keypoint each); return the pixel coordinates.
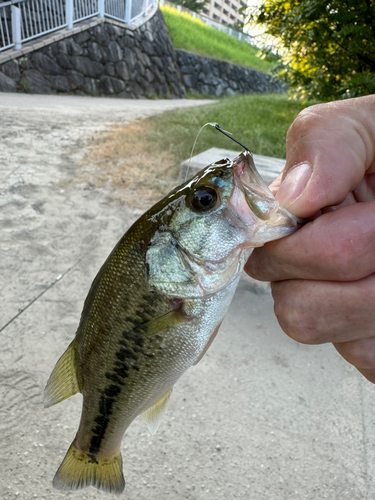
(154, 308)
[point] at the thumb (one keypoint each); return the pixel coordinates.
(330, 147)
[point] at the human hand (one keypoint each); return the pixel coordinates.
(323, 276)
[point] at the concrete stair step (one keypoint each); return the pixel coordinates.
(268, 167)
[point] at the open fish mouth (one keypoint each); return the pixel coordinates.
(255, 205)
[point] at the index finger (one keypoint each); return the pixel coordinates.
(338, 245)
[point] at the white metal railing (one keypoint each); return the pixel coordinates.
(5, 28)
(84, 9)
(24, 20)
(118, 9)
(210, 22)
(40, 16)
(128, 10)
(10, 26)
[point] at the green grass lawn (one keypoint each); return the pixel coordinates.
(258, 121)
(195, 36)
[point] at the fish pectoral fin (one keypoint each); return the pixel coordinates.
(64, 380)
(211, 339)
(154, 413)
(156, 325)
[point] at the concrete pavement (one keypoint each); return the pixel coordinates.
(260, 417)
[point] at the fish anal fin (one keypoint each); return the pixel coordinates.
(211, 339)
(64, 380)
(154, 413)
(79, 470)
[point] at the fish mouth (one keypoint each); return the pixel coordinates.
(255, 205)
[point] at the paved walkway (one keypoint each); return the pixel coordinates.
(260, 418)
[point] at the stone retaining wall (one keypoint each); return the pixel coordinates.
(213, 77)
(103, 60)
(108, 59)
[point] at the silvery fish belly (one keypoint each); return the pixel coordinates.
(155, 307)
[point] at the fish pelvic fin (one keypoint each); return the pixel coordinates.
(65, 379)
(154, 413)
(79, 470)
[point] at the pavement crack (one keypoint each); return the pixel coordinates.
(56, 280)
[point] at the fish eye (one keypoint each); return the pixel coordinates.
(204, 199)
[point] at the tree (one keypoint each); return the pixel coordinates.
(328, 46)
(194, 5)
(238, 26)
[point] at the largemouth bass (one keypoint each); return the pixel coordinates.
(155, 307)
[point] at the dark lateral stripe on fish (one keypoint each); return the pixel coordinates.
(113, 377)
(125, 352)
(132, 346)
(106, 403)
(105, 410)
(111, 392)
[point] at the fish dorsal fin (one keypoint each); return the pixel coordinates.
(211, 339)
(154, 413)
(64, 380)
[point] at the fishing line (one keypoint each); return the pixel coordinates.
(192, 151)
(224, 132)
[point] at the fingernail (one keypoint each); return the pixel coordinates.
(294, 184)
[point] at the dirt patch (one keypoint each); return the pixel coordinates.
(123, 160)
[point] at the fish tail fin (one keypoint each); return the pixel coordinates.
(64, 380)
(79, 470)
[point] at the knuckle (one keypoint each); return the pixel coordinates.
(339, 254)
(305, 121)
(349, 252)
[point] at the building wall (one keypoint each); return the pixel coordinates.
(225, 11)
